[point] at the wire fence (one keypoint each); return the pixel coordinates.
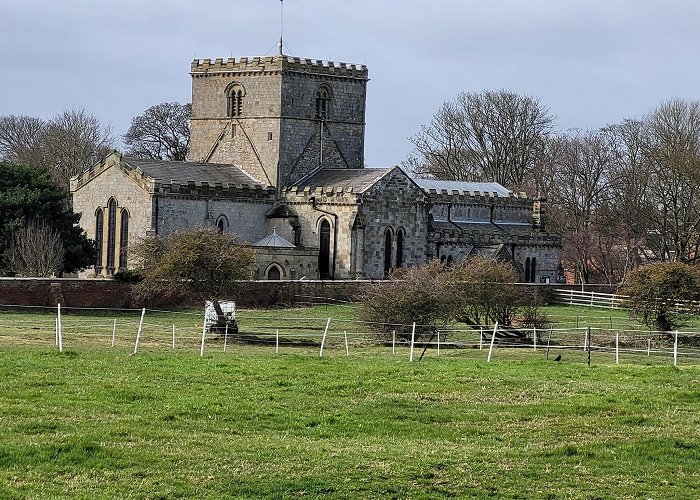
(147, 330)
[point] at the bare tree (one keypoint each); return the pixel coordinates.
(161, 132)
(36, 250)
(487, 136)
(21, 139)
(74, 141)
(579, 186)
(672, 148)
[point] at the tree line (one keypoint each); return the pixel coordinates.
(619, 196)
(39, 233)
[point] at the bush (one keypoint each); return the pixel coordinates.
(128, 276)
(418, 294)
(195, 264)
(485, 291)
(660, 294)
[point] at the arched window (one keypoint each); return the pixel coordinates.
(124, 239)
(221, 224)
(273, 273)
(111, 233)
(399, 248)
(527, 270)
(324, 249)
(387, 251)
(99, 238)
(234, 100)
(323, 101)
(533, 270)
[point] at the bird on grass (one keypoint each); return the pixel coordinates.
(558, 358)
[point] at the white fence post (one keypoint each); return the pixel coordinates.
(138, 333)
(438, 342)
(481, 337)
(493, 338)
(226, 336)
(413, 341)
(323, 340)
(534, 338)
(114, 331)
(204, 331)
(173, 336)
(277, 341)
(675, 348)
(347, 351)
(649, 346)
(617, 348)
(393, 342)
(60, 330)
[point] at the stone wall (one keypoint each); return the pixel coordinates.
(110, 181)
(393, 203)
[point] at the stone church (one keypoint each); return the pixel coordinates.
(277, 159)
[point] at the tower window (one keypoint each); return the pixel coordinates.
(234, 100)
(269, 136)
(323, 101)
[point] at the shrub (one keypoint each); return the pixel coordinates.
(198, 264)
(660, 294)
(485, 291)
(417, 294)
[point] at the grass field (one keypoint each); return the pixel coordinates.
(97, 423)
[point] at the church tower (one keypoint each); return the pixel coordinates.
(278, 118)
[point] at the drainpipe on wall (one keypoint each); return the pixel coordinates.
(335, 231)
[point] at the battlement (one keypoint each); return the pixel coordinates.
(269, 64)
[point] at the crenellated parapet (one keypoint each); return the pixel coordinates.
(217, 190)
(277, 64)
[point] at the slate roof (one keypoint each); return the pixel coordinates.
(463, 187)
(274, 240)
(356, 180)
(183, 171)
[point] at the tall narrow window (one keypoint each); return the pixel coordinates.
(399, 248)
(99, 238)
(124, 239)
(234, 100)
(324, 250)
(387, 252)
(111, 233)
(323, 99)
(533, 271)
(527, 270)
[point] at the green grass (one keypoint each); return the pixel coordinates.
(97, 423)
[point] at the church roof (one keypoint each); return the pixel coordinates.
(354, 180)
(274, 240)
(183, 171)
(463, 188)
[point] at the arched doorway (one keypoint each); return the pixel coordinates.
(324, 250)
(273, 274)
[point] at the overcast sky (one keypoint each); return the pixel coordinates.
(591, 62)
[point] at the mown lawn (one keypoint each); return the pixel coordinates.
(98, 423)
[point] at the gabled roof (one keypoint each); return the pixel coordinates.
(463, 188)
(183, 171)
(274, 240)
(355, 180)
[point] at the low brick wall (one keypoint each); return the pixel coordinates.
(92, 293)
(69, 292)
